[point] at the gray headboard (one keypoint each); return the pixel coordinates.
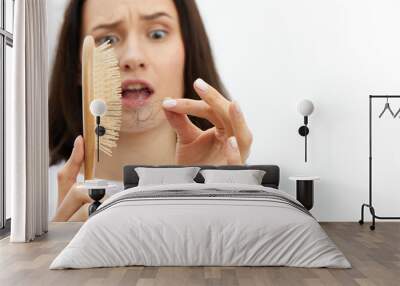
(271, 177)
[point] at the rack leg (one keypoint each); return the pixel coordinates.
(361, 221)
(372, 210)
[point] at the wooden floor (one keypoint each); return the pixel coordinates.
(375, 257)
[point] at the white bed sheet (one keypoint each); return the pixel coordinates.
(200, 232)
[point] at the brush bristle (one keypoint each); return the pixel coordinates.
(107, 86)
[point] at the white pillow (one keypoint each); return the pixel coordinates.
(248, 177)
(162, 176)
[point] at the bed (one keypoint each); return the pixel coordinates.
(201, 224)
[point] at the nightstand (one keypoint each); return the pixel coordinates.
(97, 190)
(305, 190)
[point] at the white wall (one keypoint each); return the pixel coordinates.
(55, 16)
(272, 54)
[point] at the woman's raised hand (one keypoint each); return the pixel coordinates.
(227, 143)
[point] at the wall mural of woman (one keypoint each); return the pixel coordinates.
(175, 108)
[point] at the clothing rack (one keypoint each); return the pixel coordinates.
(369, 205)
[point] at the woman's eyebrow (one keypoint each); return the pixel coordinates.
(148, 17)
(107, 25)
(155, 16)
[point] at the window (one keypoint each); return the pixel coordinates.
(6, 45)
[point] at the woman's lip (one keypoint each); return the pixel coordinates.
(129, 82)
(132, 100)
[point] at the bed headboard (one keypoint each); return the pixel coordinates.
(270, 179)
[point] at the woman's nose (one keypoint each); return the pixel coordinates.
(132, 57)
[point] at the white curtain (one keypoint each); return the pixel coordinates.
(27, 133)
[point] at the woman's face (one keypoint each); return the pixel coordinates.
(147, 41)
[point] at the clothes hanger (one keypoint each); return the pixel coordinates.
(387, 107)
(397, 113)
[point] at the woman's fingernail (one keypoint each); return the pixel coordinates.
(76, 140)
(169, 103)
(237, 107)
(232, 142)
(201, 84)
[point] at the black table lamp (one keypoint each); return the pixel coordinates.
(305, 108)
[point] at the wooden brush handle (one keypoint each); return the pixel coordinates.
(89, 123)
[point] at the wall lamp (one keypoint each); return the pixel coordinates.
(305, 108)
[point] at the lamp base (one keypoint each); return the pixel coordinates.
(304, 131)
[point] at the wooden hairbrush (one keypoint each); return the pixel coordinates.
(101, 82)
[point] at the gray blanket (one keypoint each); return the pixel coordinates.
(207, 194)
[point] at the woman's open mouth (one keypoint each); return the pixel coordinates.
(136, 94)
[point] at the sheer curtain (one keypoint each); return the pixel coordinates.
(27, 133)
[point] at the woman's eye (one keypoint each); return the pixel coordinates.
(158, 34)
(111, 39)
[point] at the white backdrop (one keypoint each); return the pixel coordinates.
(271, 54)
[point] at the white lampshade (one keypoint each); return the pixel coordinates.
(98, 107)
(305, 107)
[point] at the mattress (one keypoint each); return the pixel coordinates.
(201, 225)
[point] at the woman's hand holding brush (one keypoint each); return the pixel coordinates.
(66, 179)
(227, 143)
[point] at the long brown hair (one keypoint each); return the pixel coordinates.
(65, 99)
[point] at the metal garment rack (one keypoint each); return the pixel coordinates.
(369, 205)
